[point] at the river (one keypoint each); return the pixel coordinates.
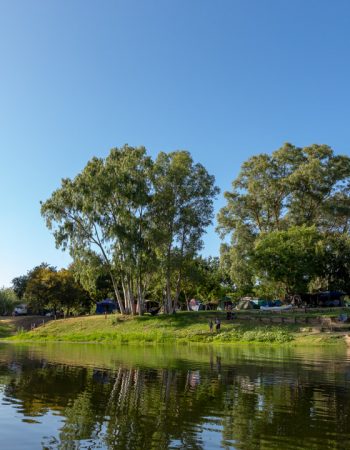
(64, 396)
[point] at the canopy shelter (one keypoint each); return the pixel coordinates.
(106, 306)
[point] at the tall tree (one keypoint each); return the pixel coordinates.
(181, 210)
(291, 187)
(130, 216)
(102, 214)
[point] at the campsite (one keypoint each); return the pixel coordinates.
(175, 225)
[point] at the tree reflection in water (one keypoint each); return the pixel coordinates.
(237, 403)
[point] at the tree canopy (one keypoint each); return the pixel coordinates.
(47, 288)
(134, 226)
(130, 216)
(281, 210)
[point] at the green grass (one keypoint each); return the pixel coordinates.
(298, 313)
(184, 327)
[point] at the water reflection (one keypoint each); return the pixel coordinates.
(79, 397)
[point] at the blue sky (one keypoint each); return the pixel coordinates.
(224, 79)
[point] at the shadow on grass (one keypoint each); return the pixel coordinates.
(182, 319)
(6, 331)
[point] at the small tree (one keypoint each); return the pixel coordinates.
(8, 301)
(48, 288)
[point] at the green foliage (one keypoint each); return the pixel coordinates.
(335, 264)
(133, 219)
(204, 279)
(19, 285)
(290, 257)
(284, 194)
(8, 301)
(48, 288)
(102, 215)
(182, 208)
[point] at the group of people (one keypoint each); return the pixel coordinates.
(217, 324)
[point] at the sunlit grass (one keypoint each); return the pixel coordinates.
(183, 327)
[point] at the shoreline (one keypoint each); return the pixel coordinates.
(181, 329)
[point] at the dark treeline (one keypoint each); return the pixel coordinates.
(134, 227)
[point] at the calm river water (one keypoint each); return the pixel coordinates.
(97, 397)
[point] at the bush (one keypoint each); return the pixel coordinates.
(8, 301)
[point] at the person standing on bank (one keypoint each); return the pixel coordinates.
(217, 324)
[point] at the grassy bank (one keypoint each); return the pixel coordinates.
(182, 327)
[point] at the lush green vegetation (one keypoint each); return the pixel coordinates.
(181, 328)
(139, 221)
(134, 228)
(44, 288)
(8, 301)
(288, 217)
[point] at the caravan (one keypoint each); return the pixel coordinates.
(20, 310)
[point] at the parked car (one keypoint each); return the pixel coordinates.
(21, 310)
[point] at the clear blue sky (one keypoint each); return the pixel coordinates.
(224, 79)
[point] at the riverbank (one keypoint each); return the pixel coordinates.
(10, 325)
(187, 327)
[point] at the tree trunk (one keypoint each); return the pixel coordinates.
(168, 300)
(140, 299)
(126, 297)
(117, 294)
(187, 302)
(131, 298)
(178, 290)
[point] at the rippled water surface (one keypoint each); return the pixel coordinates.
(98, 397)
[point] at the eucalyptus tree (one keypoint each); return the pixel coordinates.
(102, 215)
(182, 208)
